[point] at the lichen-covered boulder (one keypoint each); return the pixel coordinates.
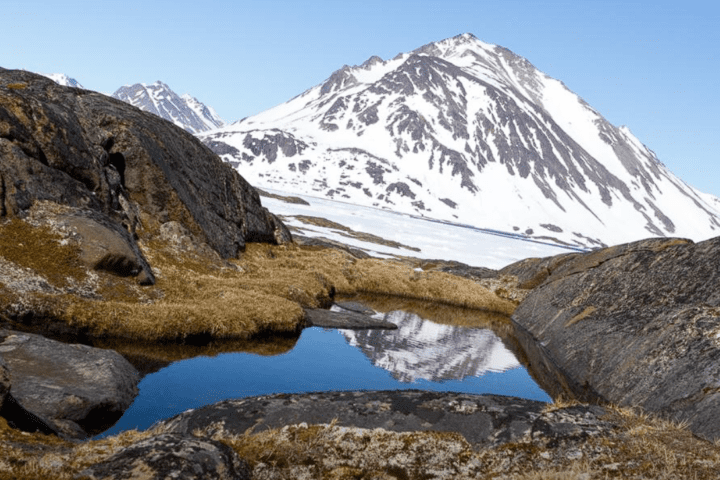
(634, 325)
(483, 420)
(172, 456)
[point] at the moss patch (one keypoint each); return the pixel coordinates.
(40, 250)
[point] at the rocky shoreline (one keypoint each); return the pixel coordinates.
(100, 203)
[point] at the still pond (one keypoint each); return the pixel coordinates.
(441, 349)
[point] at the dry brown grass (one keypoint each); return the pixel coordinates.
(436, 312)
(33, 456)
(262, 293)
(396, 278)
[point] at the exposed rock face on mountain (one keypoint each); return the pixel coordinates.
(184, 111)
(114, 173)
(465, 131)
(634, 325)
(78, 390)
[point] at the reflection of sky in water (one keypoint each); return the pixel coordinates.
(321, 360)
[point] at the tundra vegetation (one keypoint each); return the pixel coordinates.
(641, 447)
(52, 139)
(262, 292)
(200, 295)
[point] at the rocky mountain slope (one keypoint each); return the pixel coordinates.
(469, 132)
(184, 111)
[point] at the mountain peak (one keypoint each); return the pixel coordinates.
(62, 79)
(158, 98)
(465, 131)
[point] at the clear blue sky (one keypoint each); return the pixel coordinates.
(651, 65)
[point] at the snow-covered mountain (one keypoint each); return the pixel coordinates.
(62, 79)
(421, 349)
(184, 111)
(469, 132)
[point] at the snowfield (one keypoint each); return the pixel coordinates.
(468, 132)
(435, 240)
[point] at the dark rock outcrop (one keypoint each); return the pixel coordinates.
(4, 381)
(172, 456)
(484, 420)
(634, 325)
(327, 243)
(119, 172)
(78, 390)
(345, 319)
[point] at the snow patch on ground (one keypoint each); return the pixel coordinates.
(435, 240)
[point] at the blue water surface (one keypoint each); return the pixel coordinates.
(322, 360)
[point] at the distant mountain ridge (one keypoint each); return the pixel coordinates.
(469, 132)
(62, 79)
(184, 111)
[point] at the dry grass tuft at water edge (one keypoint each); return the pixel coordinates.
(264, 292)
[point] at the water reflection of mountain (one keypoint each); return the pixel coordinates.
(421, 349)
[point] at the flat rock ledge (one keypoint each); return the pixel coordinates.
(485, 421)
(346, 315)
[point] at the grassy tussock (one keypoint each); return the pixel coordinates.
(264, 292)
(35, 456)
(436, 312)
(394, 278)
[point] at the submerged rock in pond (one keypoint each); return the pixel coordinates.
(316, 317)
(355, 307)
(634, 325)
(78, 390)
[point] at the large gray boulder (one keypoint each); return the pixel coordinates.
(78, 390)
(132, 170)
(172, 456)
(633, 325)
